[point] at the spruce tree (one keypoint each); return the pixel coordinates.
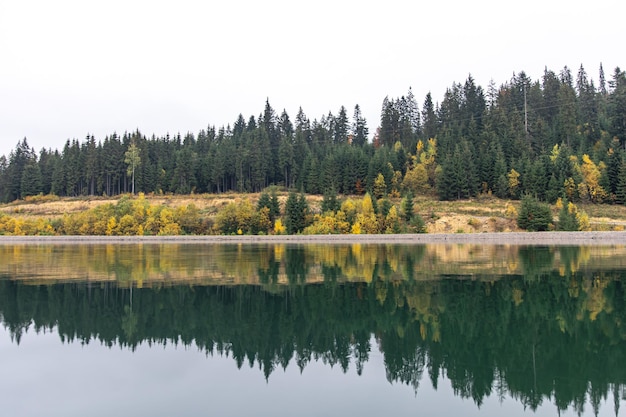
(274, 205)
(291, 213)
(330, 202)
(407, 206)
(620, 192)
(359, 129)
(296, 211)
(567, 218)
(533, 215)
(264, 201)
(31, 180)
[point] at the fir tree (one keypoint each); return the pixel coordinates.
(533, 215)
(407, 206)
(31, 180)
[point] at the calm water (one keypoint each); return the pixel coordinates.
(282, 330)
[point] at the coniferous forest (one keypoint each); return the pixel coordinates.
(562, 136)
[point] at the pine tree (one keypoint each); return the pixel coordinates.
(617, 106)
(31, 180)
(620, 192)
(264, 201)
(4, 185)
(413, 113)
(407, 206)
(90, 150)
(22, 156)
(359, 129)
(429, 118)
(292, 218)
(330, 202)
(389, 123)
(341, 126)
(554, 190)
(274, 205)
(568, 220)
(602, 82)
(296, 211)
(615, 157)
(533, 215)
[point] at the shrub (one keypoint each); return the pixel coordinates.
(417, 224)
(533, 215)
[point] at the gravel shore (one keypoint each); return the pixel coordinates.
(513, 238)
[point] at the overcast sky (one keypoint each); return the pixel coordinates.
(69, 68)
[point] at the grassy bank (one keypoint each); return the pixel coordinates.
(478, 215)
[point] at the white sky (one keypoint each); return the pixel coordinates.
(73, 67)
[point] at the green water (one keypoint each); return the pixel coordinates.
(272, 330)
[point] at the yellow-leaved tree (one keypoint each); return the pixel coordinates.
(590, 189)
(513, 177)
(380, 186)
(365, 221)
(279, 228)
(416, 179)
(392, 221)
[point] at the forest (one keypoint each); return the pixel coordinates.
(562, 136)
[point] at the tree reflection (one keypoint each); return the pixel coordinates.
(549, 334)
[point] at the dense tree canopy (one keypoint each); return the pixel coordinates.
(560, 136)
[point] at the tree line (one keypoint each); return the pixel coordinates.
(561, 136)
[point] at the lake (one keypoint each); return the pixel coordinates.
(312, 329)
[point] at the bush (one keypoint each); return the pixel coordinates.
(533, 215)
(417, 224)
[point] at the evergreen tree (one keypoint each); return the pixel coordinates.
(429, 118)
(407, 206)
(22, 156)
(4, 176)
(617, 106)
(389, 123)
(473, 107)
(412, 112)
(274, 206)
(270, 142)
(341, 126)
(330, 202)
(264, 201)
(291, 213)
(359, 130)
(567, 114)
(568, 220)
(31, 180)
(620, 192)
(296, 210)
(533, 215)
(90, 150)
(615, 157)
(554, 190)
(286, 160)
(271, 203)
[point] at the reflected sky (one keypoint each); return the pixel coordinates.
(44, 376)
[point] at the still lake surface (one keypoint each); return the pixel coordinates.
(304, 329)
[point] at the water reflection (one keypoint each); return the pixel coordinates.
(212, 264)
(538, 324)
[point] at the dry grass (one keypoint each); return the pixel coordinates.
(483, 214)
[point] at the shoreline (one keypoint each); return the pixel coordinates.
(501, 238)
